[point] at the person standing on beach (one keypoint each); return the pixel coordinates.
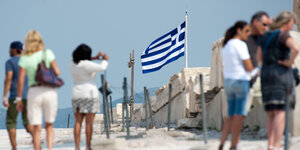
(10, 85)
(259, 25)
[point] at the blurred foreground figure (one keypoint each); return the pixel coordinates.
(10, 85)
(277, 52)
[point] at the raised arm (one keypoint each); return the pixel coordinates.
(97, 57)
(98, 67)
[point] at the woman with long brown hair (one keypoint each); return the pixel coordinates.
(236, 68)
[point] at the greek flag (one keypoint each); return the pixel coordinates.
(164, 50)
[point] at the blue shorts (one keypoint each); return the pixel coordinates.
(237, 92)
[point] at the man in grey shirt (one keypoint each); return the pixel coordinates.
(259, 25)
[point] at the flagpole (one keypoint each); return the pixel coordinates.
(185, 44)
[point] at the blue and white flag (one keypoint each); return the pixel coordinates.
(164, 50)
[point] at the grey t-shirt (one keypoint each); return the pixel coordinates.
(253, 43)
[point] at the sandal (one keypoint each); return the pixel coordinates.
(277, 148)
(232, 148)
(270, 147)
(220, 147)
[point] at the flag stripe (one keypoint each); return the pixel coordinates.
(158, 45)
(153, 61)
(161, 56)
(157, 52)
(170, 60)
(153, 43)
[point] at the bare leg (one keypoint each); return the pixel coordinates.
(271, 134)
(49, 132)
(30, 129)
(236, 127)
(279, 123)
(226, 130)
(77, 128)
(12, 137)
(37, 137)
(89, 120)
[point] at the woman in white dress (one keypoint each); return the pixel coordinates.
(85, 95)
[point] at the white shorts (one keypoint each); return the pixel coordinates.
(41, 99)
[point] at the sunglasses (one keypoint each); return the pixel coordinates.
(265, 25)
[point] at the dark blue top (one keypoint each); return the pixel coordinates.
(12, 65)
(277, 81)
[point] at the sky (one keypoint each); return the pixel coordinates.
(116, 27)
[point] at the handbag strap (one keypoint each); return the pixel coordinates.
(44, 55)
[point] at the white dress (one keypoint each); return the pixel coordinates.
(85, 94)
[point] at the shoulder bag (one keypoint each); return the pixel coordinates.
(46, 76)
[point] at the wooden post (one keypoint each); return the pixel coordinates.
(146, 111)
(104, 106)
(287, 125)
(150, 110)
(107, 110)
(169, 106)
(126, 105)
(131, 101)
(123, 114)
(68, 120)
(203, 109)
(111, 111)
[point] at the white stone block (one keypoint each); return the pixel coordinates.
(189, 123)
(296, 5)
(216, 111)
(162, 95)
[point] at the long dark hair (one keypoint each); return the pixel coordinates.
(232, 31)
(82, 52)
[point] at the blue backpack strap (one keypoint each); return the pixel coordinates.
(269, 39)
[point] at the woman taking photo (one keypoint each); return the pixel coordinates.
(277, 52)
(236, 68)
(40, 98)
(85, 95)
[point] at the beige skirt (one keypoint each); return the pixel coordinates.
(86, 105)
